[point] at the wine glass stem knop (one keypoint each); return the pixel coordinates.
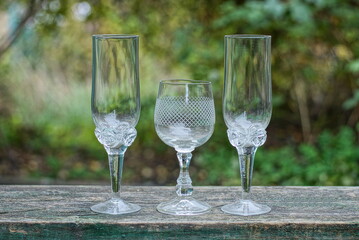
(184, 183)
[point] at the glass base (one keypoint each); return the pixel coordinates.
(246, 208)
(115, 206)
(184, 206)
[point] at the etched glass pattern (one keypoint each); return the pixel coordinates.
(189, 112)
(184, 122)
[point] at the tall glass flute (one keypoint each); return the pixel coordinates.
(247, 107)
(115, 105)
(184, 119)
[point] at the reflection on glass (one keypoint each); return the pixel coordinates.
(115, 105)
(247, 108)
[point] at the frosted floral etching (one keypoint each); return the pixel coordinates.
(246, 133)
(113, 133)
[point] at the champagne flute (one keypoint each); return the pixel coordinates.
(115, 105)
(184, 119)
(247, 108)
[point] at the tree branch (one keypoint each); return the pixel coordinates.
(10, 39)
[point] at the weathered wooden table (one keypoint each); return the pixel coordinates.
(62, 212)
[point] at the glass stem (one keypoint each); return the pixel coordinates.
(116, 166)
(184, 183)
(246, 162)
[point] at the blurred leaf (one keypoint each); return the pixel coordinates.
(354, 66)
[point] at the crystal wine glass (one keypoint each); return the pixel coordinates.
(115, 105)
(184, 120)
(247, 108)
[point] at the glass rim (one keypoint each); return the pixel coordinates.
(184, 82)
(115, 36)
(248, 36)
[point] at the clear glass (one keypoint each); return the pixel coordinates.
(184, 119)
(247, 107)
(115, 105)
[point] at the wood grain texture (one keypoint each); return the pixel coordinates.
(63, 212)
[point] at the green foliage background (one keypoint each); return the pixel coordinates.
(46, 130)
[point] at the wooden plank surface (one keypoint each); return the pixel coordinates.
(63, 212)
